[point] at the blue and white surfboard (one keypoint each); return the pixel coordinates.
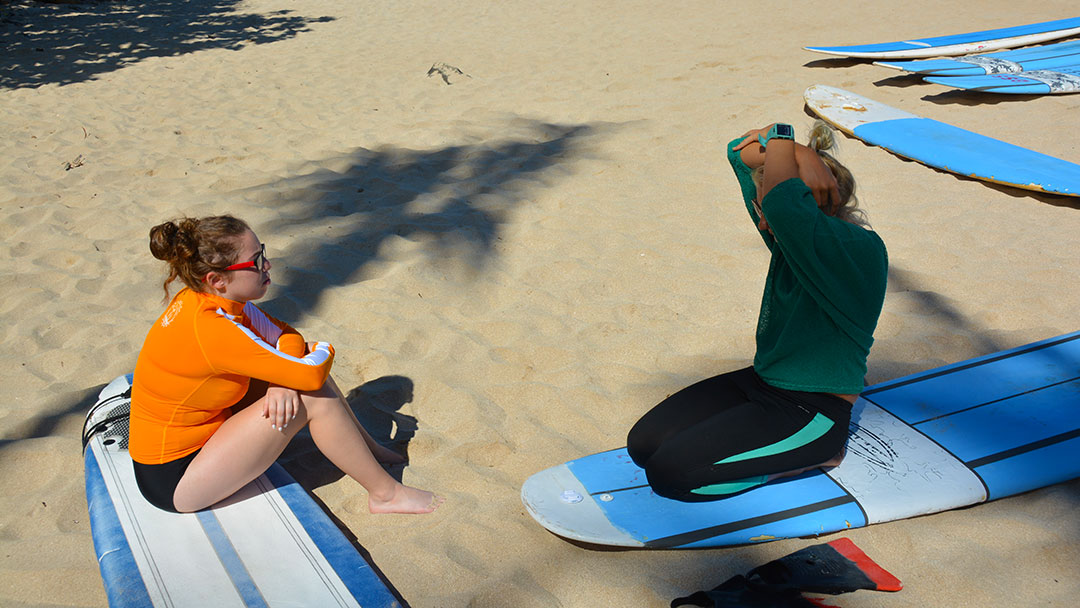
(959, 44)
(1004, 62)
(268, 545)
(1060, 79)
(958, 435)
(941, 145)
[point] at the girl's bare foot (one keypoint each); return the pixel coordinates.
(405, 499)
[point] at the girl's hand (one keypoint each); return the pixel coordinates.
(280, 406)
(820, 180)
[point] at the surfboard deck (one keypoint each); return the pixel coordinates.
(1004, 62)
(268, 545)
(941, 145)
(954, 436)
(1061, 79)
(959, 44)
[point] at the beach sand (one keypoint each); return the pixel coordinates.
(514, 262)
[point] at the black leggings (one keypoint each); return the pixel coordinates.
(730, 432)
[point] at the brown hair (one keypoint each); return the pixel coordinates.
(195, 246)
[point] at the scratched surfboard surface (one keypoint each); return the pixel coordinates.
(959, 435)
(1056, 81)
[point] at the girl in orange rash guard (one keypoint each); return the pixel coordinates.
(189, 448)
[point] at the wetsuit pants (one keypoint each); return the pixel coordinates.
(728, 433)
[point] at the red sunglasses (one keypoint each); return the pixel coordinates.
(257, 263)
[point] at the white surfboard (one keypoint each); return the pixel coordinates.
(1004, 62)
(959, 44)
(268, 545)
(942, 146)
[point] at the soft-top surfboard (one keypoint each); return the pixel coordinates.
(268, 545)
(958, 435)
(1061, 79)
(959, 44)
(1004, 62)
(942, 146)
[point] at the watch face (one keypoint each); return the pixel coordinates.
(785, 131)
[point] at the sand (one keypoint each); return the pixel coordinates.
(515, 261)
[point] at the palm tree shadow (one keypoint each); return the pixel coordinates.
(70, 42)
(451, 203)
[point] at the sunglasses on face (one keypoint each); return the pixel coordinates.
(258, 263)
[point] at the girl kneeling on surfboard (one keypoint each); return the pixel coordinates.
(221, 387)
(790, 411)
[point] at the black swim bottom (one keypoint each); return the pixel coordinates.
(727, 434)
(158, 482)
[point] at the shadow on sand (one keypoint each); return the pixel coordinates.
(69, 42)
(453, 201)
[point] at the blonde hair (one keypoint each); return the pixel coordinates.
(195, 246)
(823, 138)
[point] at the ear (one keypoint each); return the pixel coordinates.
(216, 281)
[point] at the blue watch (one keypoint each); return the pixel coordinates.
(778, 131)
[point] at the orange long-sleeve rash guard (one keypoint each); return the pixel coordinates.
(197, 361)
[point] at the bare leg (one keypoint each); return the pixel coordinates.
(246, 445)
(382, 453)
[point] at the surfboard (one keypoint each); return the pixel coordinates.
(958, 435)
(268, 545)
(1061, 79)
(942, 146)
(1004, 62)
(959, 44)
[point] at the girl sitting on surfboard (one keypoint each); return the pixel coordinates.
(221, 387)
(790, 411)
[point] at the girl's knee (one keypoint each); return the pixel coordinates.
(320, 402)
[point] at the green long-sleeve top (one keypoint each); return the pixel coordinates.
(823, 293)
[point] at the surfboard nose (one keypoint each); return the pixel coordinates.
(561, 503)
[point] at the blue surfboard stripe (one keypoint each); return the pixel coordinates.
(928, 395)
(967, 153)
(356, 573)
(937, 41)
(126, 588)
(1023, 449)
(1032, 467)
(1007, 424)
(769, 526)
(230, 559)
(783, 496)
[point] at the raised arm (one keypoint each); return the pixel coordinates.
(805, 161)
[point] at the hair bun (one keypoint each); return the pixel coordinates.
(822, 137)
(169, 241)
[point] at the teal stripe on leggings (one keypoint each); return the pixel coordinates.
(813, 431)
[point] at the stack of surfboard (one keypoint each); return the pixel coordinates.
(1051, 69)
